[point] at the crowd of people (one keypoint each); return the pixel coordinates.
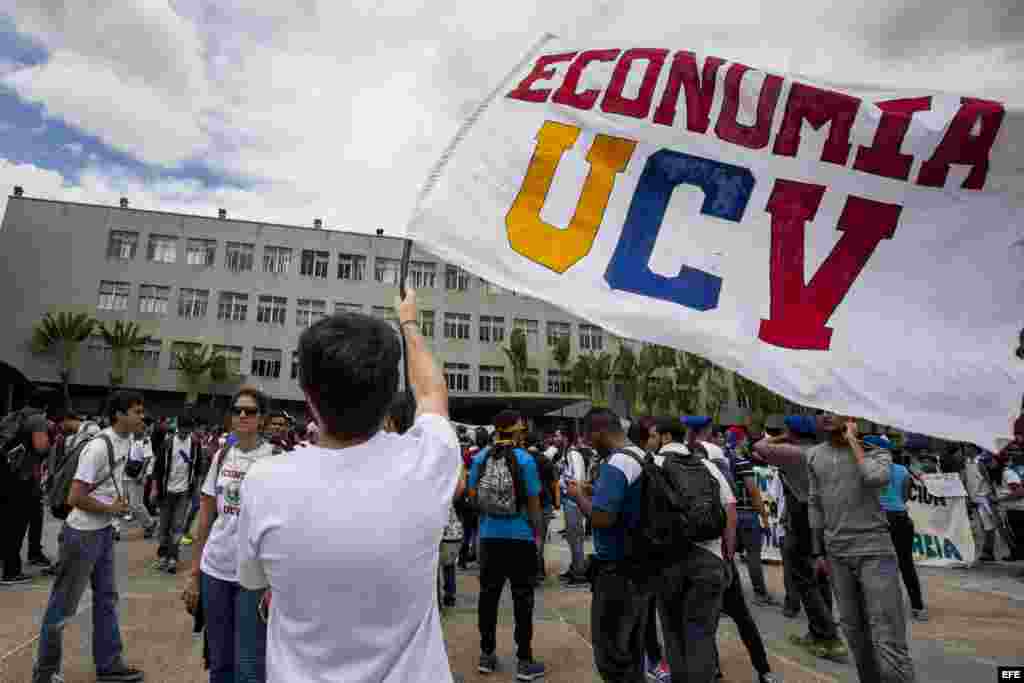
(671, 504)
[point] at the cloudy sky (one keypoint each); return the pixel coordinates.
(291, 111)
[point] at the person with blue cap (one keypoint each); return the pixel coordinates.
(788, 452)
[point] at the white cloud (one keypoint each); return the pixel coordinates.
(338, 109)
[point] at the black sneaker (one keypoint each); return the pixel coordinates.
(577, 581)
(14, 580)
(529, 670)
(488, 663)
(119, 673)
(39, 560)
(449, 601)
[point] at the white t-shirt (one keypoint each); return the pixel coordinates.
(181, 454)
(220, 555)
(574, 468)
(348, 540)
(93, 467)
(726, 496)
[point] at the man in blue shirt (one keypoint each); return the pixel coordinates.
(508, 545)
(618, 615)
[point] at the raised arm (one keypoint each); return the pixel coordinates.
(776, 452)
(425, 378)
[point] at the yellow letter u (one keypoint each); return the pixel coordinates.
(547, 244)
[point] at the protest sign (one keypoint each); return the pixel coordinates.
(942, 529)
(822, 241)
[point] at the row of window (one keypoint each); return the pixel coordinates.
(267, 363)
(314, 263)
(272, 310)
(491, 379)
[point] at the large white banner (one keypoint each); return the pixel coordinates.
(854, 249)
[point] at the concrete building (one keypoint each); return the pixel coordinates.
(250, 289)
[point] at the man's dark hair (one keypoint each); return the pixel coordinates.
(186, 423)
(599, 420)
(507, 419)
(482, 438)
(348, 367)
(121, 401)
(66, 414)
(672, 426)
(400, 412)
(640, 430)
(39, 399)
(255, 394)
(278, 413)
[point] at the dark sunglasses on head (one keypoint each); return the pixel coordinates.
(244, 411)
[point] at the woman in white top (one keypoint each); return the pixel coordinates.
(231, 612)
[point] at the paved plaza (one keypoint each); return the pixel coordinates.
(977, 616)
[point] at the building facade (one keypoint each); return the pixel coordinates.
(250, 289)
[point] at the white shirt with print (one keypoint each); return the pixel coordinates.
(181, 452)
(348, 540)
(220, 555)
(93, 468)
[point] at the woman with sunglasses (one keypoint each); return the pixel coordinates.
(232, 613)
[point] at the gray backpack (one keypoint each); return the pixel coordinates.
(496, 490)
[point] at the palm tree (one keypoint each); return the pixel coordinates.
(716, 392)
(195, 361)
(625, 373)
(561, 353)
(689, 371)
(664, 394)
(601, 373)
(647, 363)
(582, 375)
(762, 401)
(123, 338)
(518, 358)
(63, 334)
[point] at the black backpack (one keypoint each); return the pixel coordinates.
(60, 482)
(681, 505)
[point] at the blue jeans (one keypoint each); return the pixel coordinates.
(86, 558)
(574, 536)
(235, 632)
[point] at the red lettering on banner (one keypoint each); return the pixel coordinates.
(566, 94)
(540, 72)
(798, 311)
(640, 106)
(960, 146)
(729, 129)
(818, 107)
(700, 91)
(883, 157)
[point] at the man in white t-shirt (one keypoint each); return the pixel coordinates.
(691, 592)
(87, 548)
(176, 478)
(572, 467)
(346, 533)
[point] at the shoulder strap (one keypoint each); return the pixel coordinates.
(110, 465)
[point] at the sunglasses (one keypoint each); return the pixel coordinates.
(244, 411)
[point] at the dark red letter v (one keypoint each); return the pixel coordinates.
(798, 311)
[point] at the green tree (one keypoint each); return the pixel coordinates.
(689, 370)
(716, 391)
(123, 337)
(582, 375)
(647, 363)
(600, 374)
(518, 358)
(625, 374)
(664, 395)
(762, 401)
(195, 361)
(561, 353)
(63, 334)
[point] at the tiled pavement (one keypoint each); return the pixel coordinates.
(976, 624)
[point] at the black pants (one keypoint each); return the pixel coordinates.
(504, 560)
(618, 623)
(690, 599)
(901, 529)
(651, 645)
(35, 523)
(814, 590)
(17, 509)
(1015, 520)
(734, 604)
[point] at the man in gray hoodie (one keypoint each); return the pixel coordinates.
(851, 541)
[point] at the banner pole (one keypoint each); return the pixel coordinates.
(402, 274)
